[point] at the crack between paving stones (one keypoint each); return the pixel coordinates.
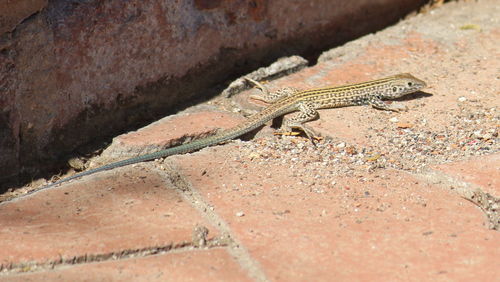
(35, 266)
(235, 247)
(486, 202)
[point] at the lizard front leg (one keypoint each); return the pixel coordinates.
(377, 103)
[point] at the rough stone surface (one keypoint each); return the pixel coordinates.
(80, 71)
(13, 13)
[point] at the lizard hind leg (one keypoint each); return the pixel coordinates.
(271, 97)
(306, 113)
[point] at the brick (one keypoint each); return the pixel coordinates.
(482, 171)
(385, 226)
(167, 132)
(127, 208)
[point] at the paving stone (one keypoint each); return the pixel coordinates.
(167, 132)
(127, 208)
(483, 171)
(385, 226)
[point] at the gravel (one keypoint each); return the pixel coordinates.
(410, 147)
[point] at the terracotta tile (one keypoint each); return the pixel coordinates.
(167, 132)
(385, 226)
(483, 171)
(126, 208)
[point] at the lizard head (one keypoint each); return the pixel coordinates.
(401, 85)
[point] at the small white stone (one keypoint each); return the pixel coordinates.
(487, 136)
(240, 214)
(462, 99)
(394, 119)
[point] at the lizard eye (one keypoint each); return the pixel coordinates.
(394, 89)
(410, 84)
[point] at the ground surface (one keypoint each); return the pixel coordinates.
(384, 196)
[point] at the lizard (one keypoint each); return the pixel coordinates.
(284, 101)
